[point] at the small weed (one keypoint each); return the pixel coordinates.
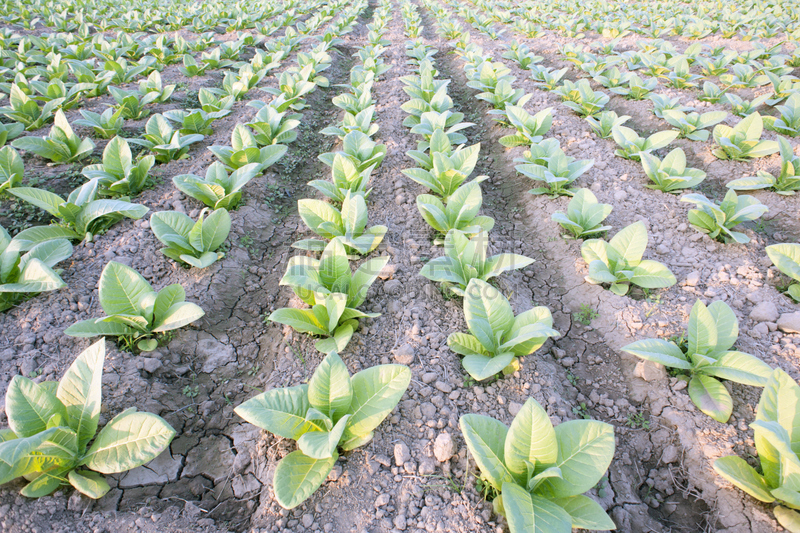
(637, 421)
(247, 242)
(581, 411)
(299, 354)
(486, 489)
(586, 314)
(601, 486)
(191, 392)
(227, 398)
(254, 370)
(449, 483)
(35, 374)
(469, 381)
(572, 378)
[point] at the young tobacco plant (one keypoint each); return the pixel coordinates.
(245, 150)
(707, 357)
(118, 174)
(743, 141)
(786, 257)
(348, 224)
(153, 84)
(61, 146)
(165, 143)
(345, 177)
(619, 262)
(631, 145)
(496, 337)
(460, 212)
(194, 121)
(10, 131)
(559, 171)
(52, 423)
(81, 216)
(23, 276)
(711, 93)
(584, 215)
(788, 122)
(25, 110)
(741, 107)
(663, 103)
(218, 189)
(603, 124)
(692, 126)
(333, 411)
(530, 128)
(448, 171)
(193, 243)
(588, 102)
(105, 125)
(134, 310)
(540, 472)
(773, 433)
(671, 174)
(131, 103)
(718, 221)
(637, 88)
(362, 151)
(447, 121)
(465, 259)
(787, 181)
(333, 292)
(12, 169)
(274, 127)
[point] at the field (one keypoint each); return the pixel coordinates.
(635, 163)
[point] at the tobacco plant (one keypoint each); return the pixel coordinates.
(218, 189)
(584, 215)
(118, 174)
(530, 128)
(540, 472)
(348, 224)
(135, 312)
(619, 262)
(460, 212)
(465, 259)
(786, 257)
(631, 146)
(787, 181)
(706, 358)
(718, 220)
(333, 291)
(244, 150)
(671, 174)
(25, 110)
(105, 125)
(743, 141)
(496, 337)
(559, 171)
(788, 122)
(334, 410)
(12, 169)
(692, 126)
(51, 425)
(61, 146)
(193, 243)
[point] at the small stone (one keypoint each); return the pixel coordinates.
(514, 408)
(335, 473)
(387, 272)
(692, 279)
(401, 453)
(429, 377)
(151, 364)
(393, 287)
(789, 323)
(444, 387)
(404, 355)
(308, 520)
(400, 522)
(670, 454)
(215, 354)
(650, 371)
(765, 312)
(427, 467)
(382, 500)
(443, 447)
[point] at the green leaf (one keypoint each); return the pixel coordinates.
(660, 351)
(80, 390)
(123, 291)
(711, 397)
(329, 389)
(737, 471)
(529, 513)
(89, 483)
(630, 243)
(29, 407)
(482, 367)
(322, 444)
(487, 312)
(297, 476)
(376, 392)
(302, 320)
(585, 450)
(586, 513)
(131, 439)
(48, 201)
(178, 315)
(740, 367)
(531, 439)
(95, 327)
(788, 518)
(702, 330)
(15, 455)
(44, 484)
(280, 411)
(485, 437)
(333, 263)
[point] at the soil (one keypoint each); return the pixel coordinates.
(217, 474)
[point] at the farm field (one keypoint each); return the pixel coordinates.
(399, 265)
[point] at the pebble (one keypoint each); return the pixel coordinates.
(692, 279)
(444, 387)
(401, 453)
(443, 447)
(789, 323)
(404, 355)
(382, 500)
(765, 312)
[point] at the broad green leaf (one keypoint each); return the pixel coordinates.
(95, 327)
(702, 330)
(15, 455)
(585, 450)
(178, 315)
(302, 320)
(297, 476)
(630, 242)
(333, 263)
(485, 437)
(487, 312)
(280, 411)
(131, 439)
(711, 397)
(531, 439)
(44, 484)
(376, 392)
(586, 513)
(89, 483)
(123, 291)
(741, 368)
(166, 298)
(788, 518)
(465, 344)
(660, 351)
(80, 390)
(727, 325)
(530, 513)
(737, 471)
(329, 389)
(48, 201)
(482, 367)
(29, 407)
